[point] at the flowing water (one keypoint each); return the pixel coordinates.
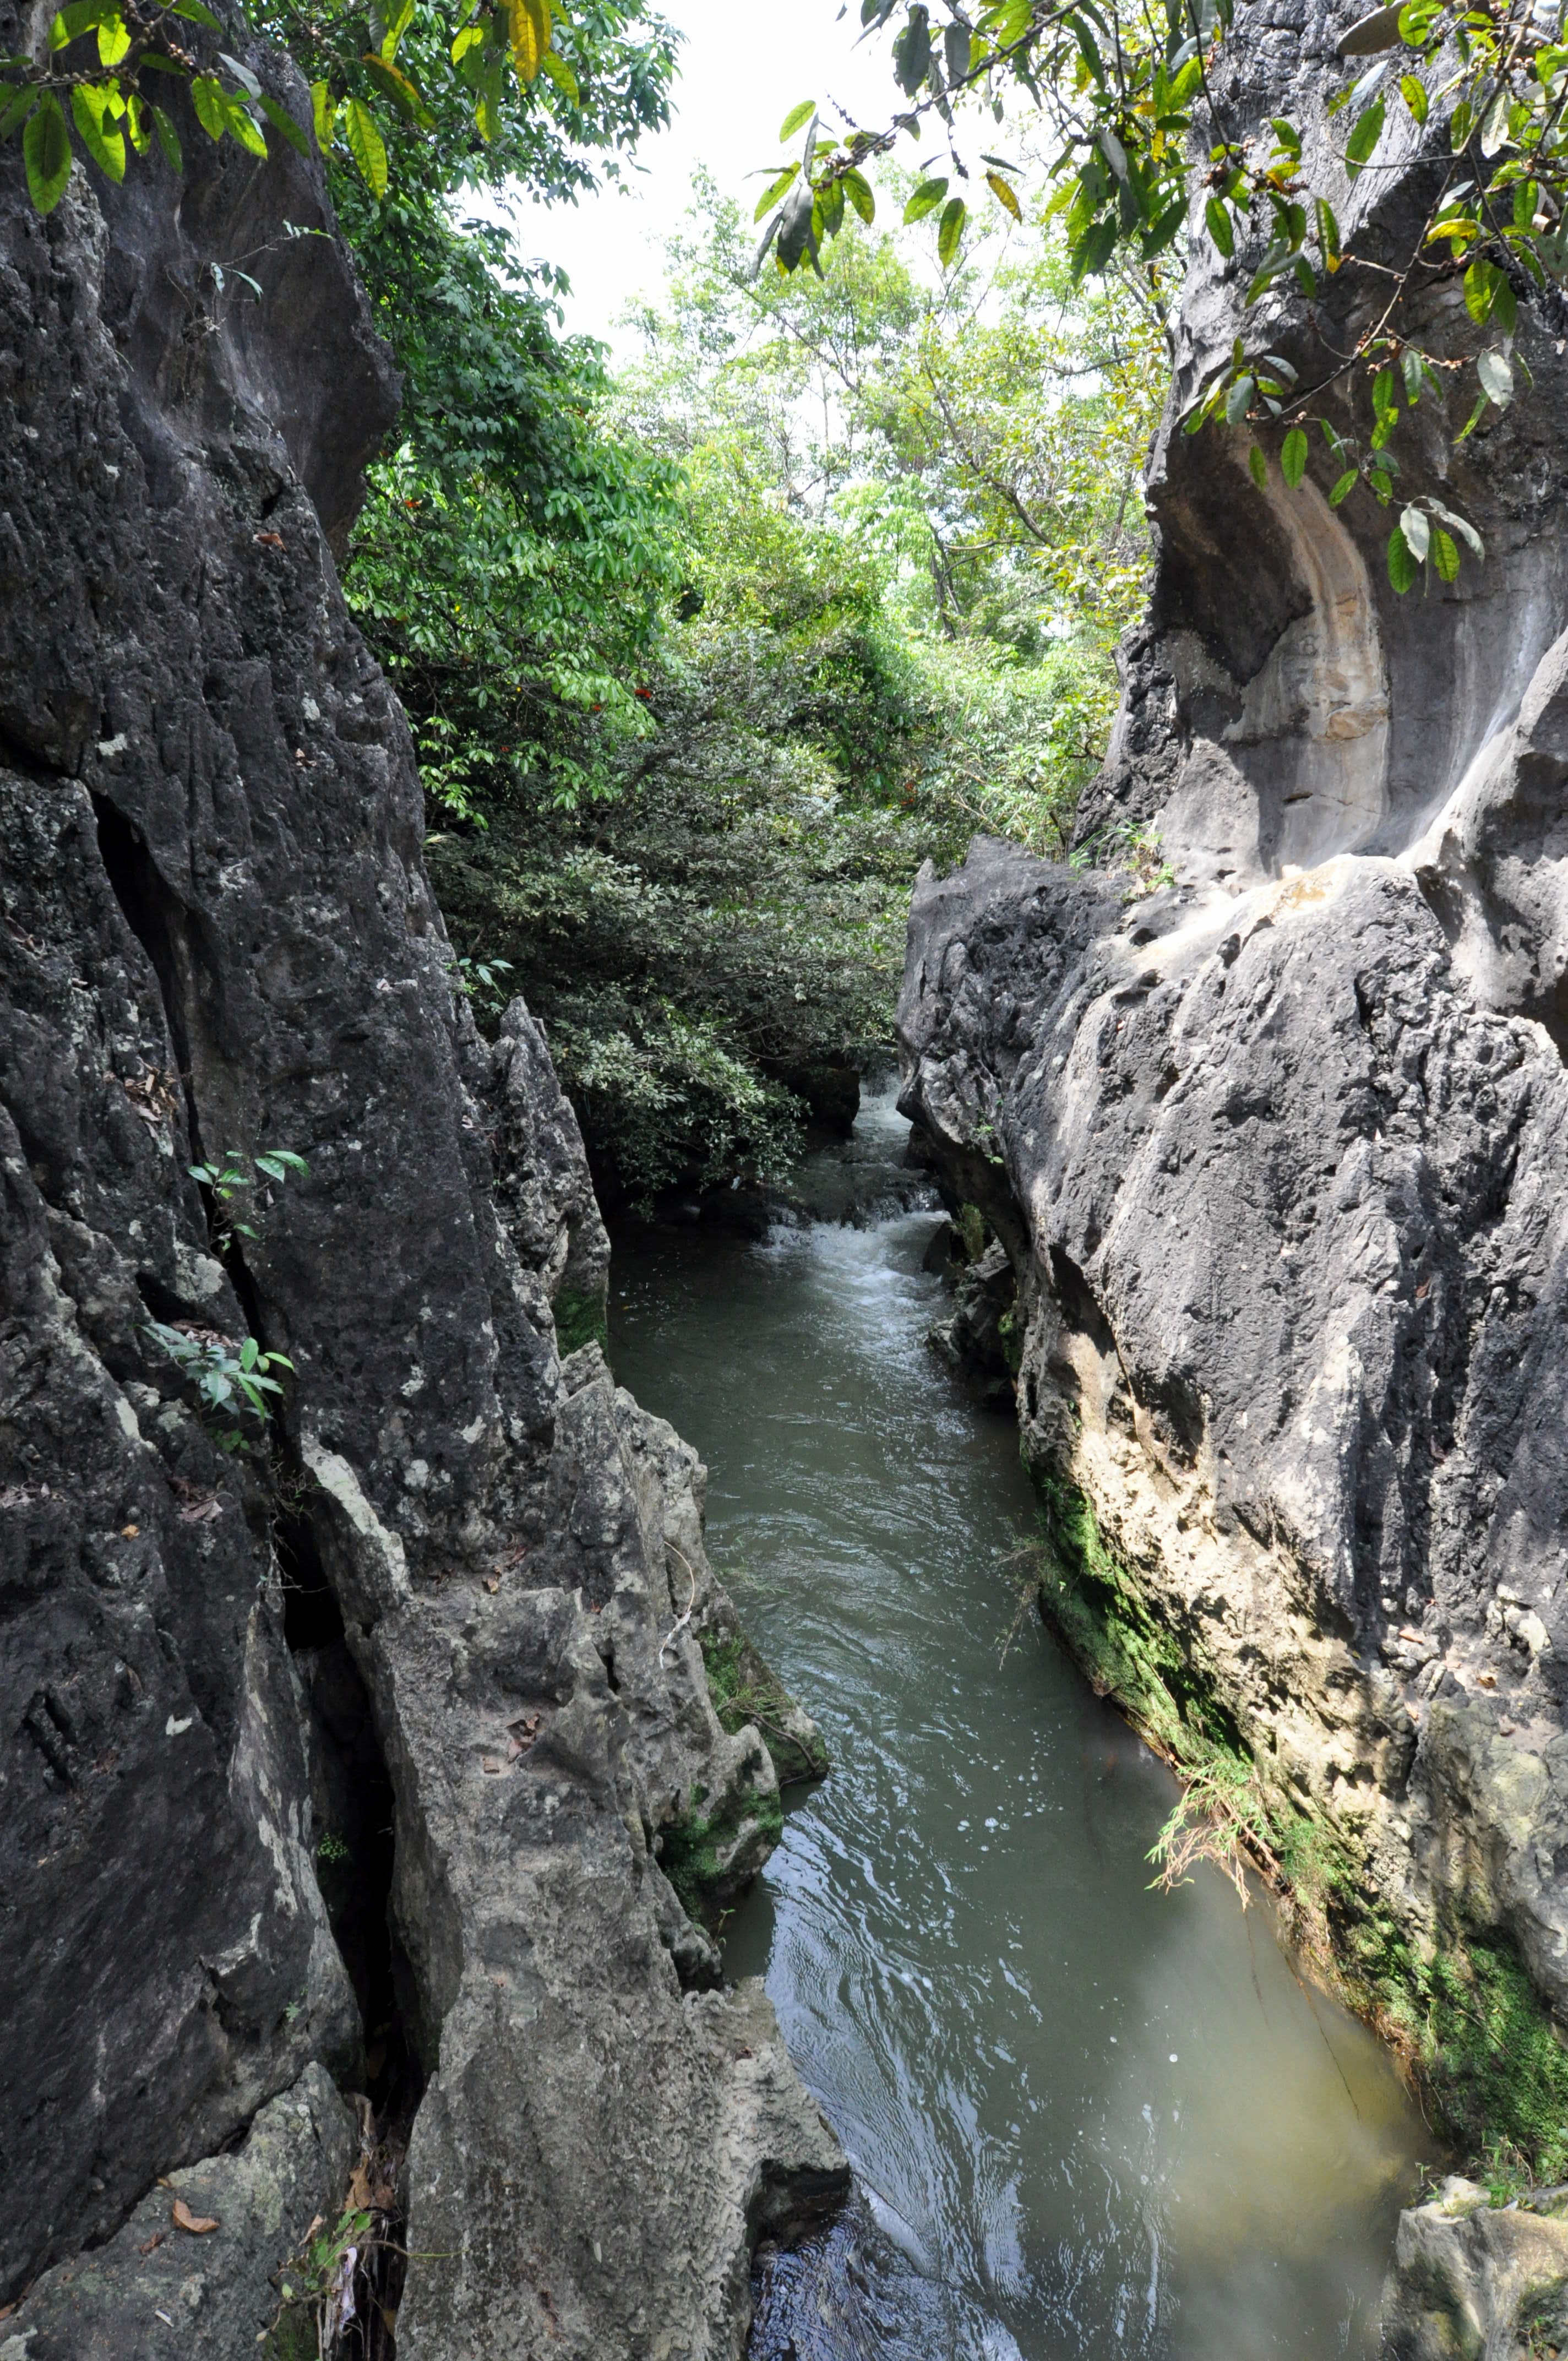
(1086, 2119)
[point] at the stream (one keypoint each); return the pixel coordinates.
(1086, 2119)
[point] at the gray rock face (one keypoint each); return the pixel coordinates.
(1475, 2284)
(975, 1340)
(1279, 1152)
(459, 1570)
(159, 2293)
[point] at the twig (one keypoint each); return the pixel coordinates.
(681, 1620)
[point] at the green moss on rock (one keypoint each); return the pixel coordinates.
(691, 1856)
(1462, 2014)
(744, 1691)
(580, 1320)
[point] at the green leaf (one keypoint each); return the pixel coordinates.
(1165, 228)
(925, 200)
(16, 108)
(554, 69)
(393, 83)
(796, 117)
(1413, 91)
(1293, 457)
(1221, 230)
(950, 233)
(324, 114)
(1343, 489)
(1494, 130)
(105, 145)
(858, 189)
(1417, 532)
(1364, 138)
(366, 145)
(1402, 564)
(195, 12)
(528, 23)
(1471, 423)
(1496, 376)
(245, 127)
(46, 151)
(1444, 556)
(1480, 288)
(396, 28)
(168, 140)
(1328, 232)
(1460, 526)
(285, 123)
(113, 38)
(1238, 399)
(1259, 467)
(776, 191)
(1005, 195)
(912, 53)
(240, 73)
(1372, 34)
(1093, 251)
(1461, 125)
(211, 104)
(1412, 368)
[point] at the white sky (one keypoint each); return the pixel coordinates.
(743, 64)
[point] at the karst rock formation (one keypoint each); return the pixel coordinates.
(1274, 1124)
(434, 1655)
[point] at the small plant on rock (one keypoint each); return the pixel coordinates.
(1220, 1818)
(233, 1382)
(234, 1182)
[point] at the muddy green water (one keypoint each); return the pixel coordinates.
(1086, 2119)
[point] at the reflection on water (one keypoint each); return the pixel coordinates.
(1086, 2119)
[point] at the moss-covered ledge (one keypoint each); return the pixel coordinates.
(1451, 1995)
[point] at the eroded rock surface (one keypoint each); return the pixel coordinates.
(1472, 2282)
(464, 1576)
(1279, 1150)
(158, 2291)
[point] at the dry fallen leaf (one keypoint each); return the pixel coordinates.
(492, 1582)
(268, 541)
(1487, 1680)
(522, 1733)
(368, 2192)
(491, 1767)
(197, 2223)
(147, 2245)
(129, 1533)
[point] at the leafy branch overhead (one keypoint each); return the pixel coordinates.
(109, 67)
(1144, 151)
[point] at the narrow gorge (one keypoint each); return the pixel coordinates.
(370, 1799)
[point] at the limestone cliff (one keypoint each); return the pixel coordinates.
(1279, 1152)
(433, 1651)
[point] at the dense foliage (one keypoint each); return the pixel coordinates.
(701, 662)
(902, 533)
(1132, 104)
